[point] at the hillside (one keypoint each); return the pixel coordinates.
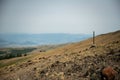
(76, 61)
(28, 40)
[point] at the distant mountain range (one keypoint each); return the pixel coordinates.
(14, 40)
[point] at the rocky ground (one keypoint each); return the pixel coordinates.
(77, 61)
(82, 69)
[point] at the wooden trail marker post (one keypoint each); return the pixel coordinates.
(93, 37)
(93, 41)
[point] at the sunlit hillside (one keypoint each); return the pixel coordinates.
(76, 61)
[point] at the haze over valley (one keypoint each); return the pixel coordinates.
(29, 40)
(59, 39)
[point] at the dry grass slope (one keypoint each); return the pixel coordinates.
(75, 61)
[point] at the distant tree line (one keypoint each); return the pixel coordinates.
(2, 52)
(15, 53)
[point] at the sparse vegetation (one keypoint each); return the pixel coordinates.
(75, 61)
(11, 53)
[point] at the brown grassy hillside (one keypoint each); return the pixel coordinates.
(77, 61)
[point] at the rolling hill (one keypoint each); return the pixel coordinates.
(75, 61)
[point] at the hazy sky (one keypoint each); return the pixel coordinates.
(59, 16)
